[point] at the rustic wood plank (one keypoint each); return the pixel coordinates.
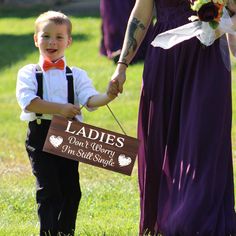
(92, 145)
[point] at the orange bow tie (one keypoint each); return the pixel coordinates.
(47, 65)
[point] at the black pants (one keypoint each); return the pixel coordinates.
(57, 184)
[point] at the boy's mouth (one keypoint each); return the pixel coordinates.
(51, 50)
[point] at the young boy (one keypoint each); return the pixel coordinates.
(58, 190)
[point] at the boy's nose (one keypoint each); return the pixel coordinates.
(52, 41)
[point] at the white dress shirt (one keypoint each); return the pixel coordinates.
(54, 88)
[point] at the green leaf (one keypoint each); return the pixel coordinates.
(213, 24)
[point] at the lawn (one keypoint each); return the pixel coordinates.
(110, 201)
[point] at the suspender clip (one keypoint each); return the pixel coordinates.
(38, 121)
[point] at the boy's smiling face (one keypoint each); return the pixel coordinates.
(52, 40)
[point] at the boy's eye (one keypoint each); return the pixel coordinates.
(59, 37)
(45, 36)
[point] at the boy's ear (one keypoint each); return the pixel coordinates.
(35, 40)
(69, 41)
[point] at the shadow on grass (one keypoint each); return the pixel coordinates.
(27, 12)
(16, 47)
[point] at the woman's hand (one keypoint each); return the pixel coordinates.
(120, 76)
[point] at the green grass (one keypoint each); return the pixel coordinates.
(110, 202)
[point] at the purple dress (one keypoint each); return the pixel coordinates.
(115, 15)
(185, 159)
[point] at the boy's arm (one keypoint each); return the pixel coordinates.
(98, 100)
(67, 110)
(103, 99)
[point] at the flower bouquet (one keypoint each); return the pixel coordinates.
(212, 20)
(209, 11)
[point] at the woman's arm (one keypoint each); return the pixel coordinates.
(138, 24)
(231, 37)
(232, 43)
(231, 5)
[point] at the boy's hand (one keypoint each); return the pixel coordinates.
(69, 110)
(113, 89)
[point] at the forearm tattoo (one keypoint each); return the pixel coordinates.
(132, 44)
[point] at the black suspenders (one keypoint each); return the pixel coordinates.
(70, 85)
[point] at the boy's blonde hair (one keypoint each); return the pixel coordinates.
(54, 16)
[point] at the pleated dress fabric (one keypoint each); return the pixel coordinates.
(185, 156)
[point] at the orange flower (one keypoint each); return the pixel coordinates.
(220, 12)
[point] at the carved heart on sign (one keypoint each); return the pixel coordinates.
(123, 160)
(56, 141)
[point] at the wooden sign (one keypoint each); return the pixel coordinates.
(92, 145)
